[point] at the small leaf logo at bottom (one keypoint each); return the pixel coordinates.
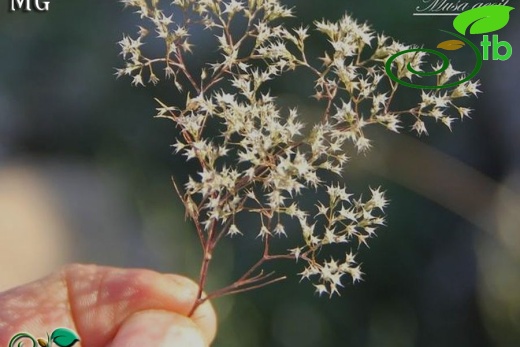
(64, 337)
(451, 45)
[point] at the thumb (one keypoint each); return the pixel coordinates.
(158, 328)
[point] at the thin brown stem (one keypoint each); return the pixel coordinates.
(185, 71)
(229, 290)
(208, 250)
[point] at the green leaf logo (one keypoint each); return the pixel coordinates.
(64, 337)
(482, 20)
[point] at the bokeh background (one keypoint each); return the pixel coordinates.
(85, 177)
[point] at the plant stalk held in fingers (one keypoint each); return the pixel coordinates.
(257, 158)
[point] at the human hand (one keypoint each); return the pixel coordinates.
(109, 307)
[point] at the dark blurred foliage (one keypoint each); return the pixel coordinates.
(444, 272)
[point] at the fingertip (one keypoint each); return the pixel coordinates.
(158, 328)
(204, 316)
(113, 294)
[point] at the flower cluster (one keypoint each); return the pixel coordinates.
(262, 157)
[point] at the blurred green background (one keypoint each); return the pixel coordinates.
(85, 177)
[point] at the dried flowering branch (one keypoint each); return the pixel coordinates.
(262, 157)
